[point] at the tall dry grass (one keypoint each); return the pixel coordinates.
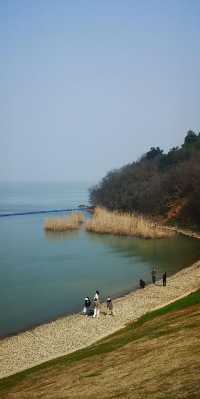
(71, 222)
(106, 222)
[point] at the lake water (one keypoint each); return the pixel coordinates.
(44, 276)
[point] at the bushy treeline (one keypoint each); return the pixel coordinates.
(156, 183)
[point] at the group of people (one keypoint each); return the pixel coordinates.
(164, 277)
(153, 275)
(92, 308)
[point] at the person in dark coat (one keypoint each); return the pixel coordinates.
(142, 283)
(153, 274)
(87, 304)
(164, 277)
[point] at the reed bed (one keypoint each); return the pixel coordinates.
(106, 222)
(71, 222)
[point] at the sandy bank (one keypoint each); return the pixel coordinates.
(74, 332)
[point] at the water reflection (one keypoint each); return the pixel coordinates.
(61, 235)
(166, 254)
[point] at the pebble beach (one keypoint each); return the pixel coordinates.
(76, 331)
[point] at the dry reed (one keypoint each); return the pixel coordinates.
(71, 222)
(106, 222)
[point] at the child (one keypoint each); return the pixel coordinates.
(109, 306)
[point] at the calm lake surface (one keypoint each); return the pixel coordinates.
(44, 276)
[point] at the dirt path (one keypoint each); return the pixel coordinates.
(74, 332)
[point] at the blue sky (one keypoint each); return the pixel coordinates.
(88, 86)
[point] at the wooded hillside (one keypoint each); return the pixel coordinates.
(165, 184)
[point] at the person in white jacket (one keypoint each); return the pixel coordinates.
(96, 304)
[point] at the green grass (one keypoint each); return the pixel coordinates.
(137, 330)
(192, 299)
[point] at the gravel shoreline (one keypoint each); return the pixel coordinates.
(76, 331)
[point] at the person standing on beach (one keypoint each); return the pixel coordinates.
(153, 274)
(96, 308)
(109, 306)
(97, 294)
(87, 304)
(96, 304)
(164, 279)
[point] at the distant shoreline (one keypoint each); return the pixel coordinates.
(70, 333)
(184, 232)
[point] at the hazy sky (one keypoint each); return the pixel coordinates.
(87, 86)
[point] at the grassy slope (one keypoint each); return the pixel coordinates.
(156, 357)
